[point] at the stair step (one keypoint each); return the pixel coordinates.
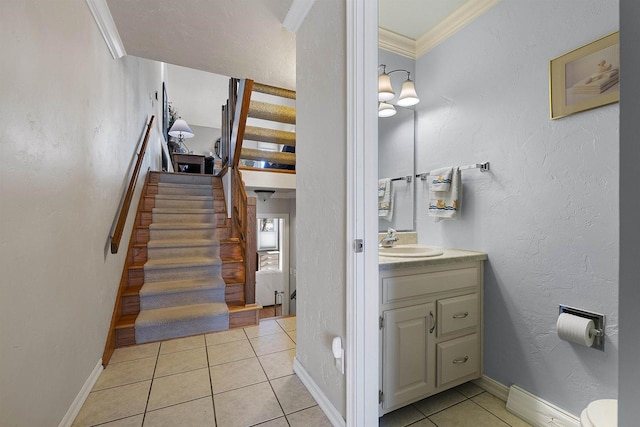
(181, 292)
(185, 178)
(182, 262)
(166, 231)
(253, 133)
(175, 248)
(185, 189)
(273, 112)
(171, 322)
(274, 90)
(170, 201)
(268, 156)
(164, 215)
(170, 269)
(244, 315)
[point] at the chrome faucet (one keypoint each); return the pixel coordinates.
(388, 240)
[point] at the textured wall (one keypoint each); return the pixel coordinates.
(547, 214)
(629, 410)
(320, 203)
(70, 120)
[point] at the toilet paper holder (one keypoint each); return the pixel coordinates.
(598, 322)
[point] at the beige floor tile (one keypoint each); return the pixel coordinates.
(182, 361)
(272, 343)
(401, 417)
(293, 335)
(141, 351)
(135, 421)
(279, 364)
(241, 373)
(113, 404)
(246, 406)
(469, 389)
(466, 414)
(288, 323)
(196, 413)
(225, 336)
(424, 423)
(292, 394)
(312, 417)
(229, 352)
(182, 344)
(438, 402)
(278, 422)
(179, 388)
(266, 327)
(122, 373)
(498, 408)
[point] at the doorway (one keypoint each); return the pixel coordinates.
(272, 272)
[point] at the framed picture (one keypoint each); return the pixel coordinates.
(585, 78)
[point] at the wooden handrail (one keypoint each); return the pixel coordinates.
(240, 118)
(124, 210)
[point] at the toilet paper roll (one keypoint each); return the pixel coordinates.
(575, 329)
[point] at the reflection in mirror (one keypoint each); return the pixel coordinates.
(396, 160)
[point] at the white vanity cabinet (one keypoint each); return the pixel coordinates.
(430, 328)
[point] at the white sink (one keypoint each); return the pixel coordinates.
(410, 251)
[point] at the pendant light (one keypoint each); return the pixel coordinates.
(408, 95)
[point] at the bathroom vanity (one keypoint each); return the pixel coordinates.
(430, 325)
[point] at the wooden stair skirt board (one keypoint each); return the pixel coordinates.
(180, 257)
(253, 133)
(268, 156)
(273, 90)
(272, 112)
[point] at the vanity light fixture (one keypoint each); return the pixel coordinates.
(408, 95)
(386, 110)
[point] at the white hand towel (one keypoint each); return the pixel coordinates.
(385, 199)
(440, 179)
(446, 204)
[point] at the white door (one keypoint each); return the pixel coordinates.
(272, 277)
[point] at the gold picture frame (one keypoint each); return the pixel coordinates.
(585, 78)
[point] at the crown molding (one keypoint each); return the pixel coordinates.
(464, 15)
(296, 14)
(396, 43)
(106, 25)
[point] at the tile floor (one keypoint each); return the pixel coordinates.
(244, 377)
(241, 377)
(464, 406)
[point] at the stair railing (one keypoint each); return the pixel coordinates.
(244, 228)
(124, 209)
(239, 118)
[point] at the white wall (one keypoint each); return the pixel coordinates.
(70, 120)
(203, 139)
(629, 375)
(320, 203)
(547, 214)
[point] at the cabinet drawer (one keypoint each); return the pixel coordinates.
(455, 314)
(458, 358)
(400, 288)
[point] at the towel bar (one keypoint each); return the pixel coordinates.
(484, 167)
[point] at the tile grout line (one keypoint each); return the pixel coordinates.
(153, 375)
(495, 415)
(213, 403)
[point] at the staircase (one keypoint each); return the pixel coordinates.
(184, 273)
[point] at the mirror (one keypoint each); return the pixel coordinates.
(396, 160)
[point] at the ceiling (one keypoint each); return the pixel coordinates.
(238, 38)
(414, 18)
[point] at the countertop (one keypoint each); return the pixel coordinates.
(449, 256)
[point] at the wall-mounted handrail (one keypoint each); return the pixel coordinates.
(124, 210)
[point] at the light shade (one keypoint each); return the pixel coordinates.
(385, 91)
(181, 129)
(264, 195)
(386, 110)
(408, 95)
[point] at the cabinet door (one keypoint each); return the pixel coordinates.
(408, 365)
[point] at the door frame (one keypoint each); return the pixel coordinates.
(285, 259)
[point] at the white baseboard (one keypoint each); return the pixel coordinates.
(75, 407)
(492, 386)
(538, 412)
(323, 402)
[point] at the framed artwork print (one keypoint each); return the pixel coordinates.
(585, 78)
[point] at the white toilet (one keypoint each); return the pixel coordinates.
(600, 413)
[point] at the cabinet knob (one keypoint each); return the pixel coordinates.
(461, 315)
(461, 360)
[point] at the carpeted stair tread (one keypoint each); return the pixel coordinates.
(182, 312)
(182, 262)
(157, 288)
(182, 211)
(190, 186)
(164, 323)
(182, 197)
(181, 225)
(182, 243)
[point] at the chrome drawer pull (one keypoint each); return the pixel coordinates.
(461, 315)
(462, 360)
